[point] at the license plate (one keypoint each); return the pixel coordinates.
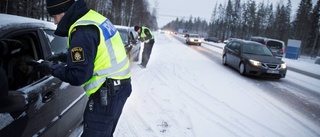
(273, 71)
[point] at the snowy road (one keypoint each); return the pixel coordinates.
(187, 92)
(299, 90)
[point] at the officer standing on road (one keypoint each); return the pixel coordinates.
(147, 37)
(96, 59)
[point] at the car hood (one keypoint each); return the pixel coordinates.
(264, 59)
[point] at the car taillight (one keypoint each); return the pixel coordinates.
(283, 50)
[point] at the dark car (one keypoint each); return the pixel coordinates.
(36, 105)
(252, 58)
(277, 47)
(130, 40)
(211, 39)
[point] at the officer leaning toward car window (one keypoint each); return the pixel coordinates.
(96, 59)
(146, 36)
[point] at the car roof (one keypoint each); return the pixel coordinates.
(266, 39)
(123, 27)
(7, 19)
(275, 40)
(246, 42)
(13, 21)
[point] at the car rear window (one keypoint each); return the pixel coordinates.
(274, 45)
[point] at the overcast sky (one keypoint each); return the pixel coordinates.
(169, 10)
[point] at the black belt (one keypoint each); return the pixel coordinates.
(120, 82)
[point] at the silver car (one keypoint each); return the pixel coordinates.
(35, 104)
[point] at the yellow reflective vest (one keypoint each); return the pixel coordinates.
(143, 35)
(111, 60)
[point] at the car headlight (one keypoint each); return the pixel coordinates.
(255, 63)
(283, 66)
(200, 40)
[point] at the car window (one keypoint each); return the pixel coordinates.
(233, 45)
(274, 44)
(58, 44)
(19, 73)
(134, 34)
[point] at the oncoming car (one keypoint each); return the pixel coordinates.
(35, 104)
(130, 40)
(212, 39)
(193, 39)
(252, 58)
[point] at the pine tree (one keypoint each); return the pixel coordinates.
(301, 23)
(313, 41)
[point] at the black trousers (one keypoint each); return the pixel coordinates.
(147, 49)
(101, 121)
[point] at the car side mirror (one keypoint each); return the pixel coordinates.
(13, 102)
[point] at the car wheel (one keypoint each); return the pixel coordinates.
(224, 60)
(242, 69)
(199, 44)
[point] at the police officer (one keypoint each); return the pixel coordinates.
(96, 59)
(146, 36)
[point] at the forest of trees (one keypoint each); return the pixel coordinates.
(120, 12)
(237, 19)
(242, 20)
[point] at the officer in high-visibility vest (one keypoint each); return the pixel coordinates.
(146, 36)
(96, 59)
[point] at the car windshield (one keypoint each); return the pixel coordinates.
(58, 44)
(124, 35)
(256, 50)
(260, 40)
(194, 36)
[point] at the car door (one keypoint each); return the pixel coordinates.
(72, 99)
(237, 54)
(31, 108)
(232, 54)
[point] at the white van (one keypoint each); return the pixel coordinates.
(277, 47)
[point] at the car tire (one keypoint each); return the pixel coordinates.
(242, 69)
(224, 60)
(199, 44)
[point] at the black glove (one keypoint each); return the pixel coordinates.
(59, 57)
(44, 67)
